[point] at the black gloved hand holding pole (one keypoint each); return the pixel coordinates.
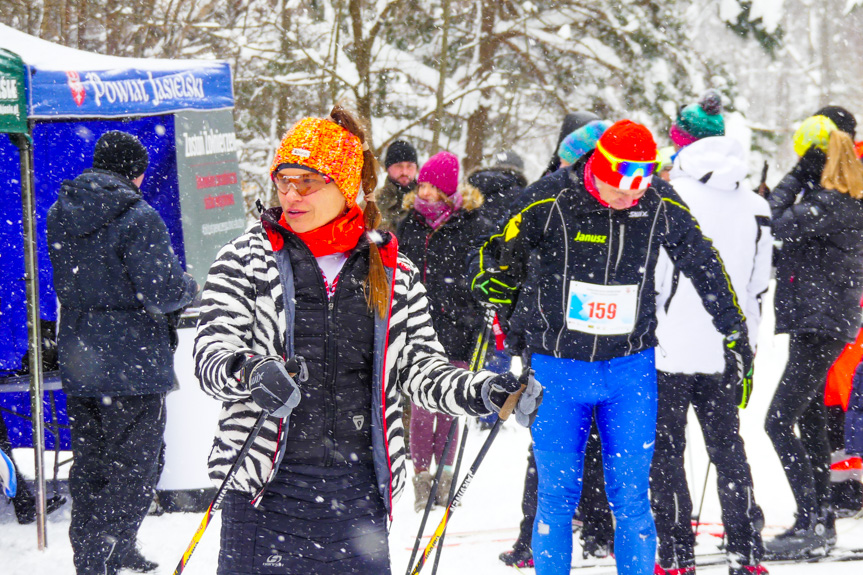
(497, 390)
(739, 361)
(271, 382)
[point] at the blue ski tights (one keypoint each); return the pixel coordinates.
(622, 394)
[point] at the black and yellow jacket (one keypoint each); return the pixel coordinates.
(579, 239)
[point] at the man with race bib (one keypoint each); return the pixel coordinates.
(597, 227)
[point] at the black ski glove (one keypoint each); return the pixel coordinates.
(497, 390)
(272, 384)
(738, 366)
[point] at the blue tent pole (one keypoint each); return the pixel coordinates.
(31, 266)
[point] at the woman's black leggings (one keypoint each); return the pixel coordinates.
(799, 400)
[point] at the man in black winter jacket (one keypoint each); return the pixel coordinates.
(596, 228)
(117, 280)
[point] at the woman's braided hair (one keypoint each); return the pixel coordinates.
(377, 285)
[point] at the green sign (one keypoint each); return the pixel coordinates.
(210, 196)
(13, 99)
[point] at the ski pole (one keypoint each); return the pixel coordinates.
(450, 495)
(476, 363)
(220, 494)
(504, 414)
(487, 334)
(431, 499)
(481, 347)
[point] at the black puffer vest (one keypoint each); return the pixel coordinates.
(332, 423)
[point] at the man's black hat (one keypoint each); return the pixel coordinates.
(400, 151)
(122, 154)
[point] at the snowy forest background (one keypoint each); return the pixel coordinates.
(478, 76)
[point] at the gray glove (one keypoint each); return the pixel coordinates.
(497, 390)
(271, 382)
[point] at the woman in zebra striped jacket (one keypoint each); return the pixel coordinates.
(314, 279)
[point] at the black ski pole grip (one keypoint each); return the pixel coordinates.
(297, 368)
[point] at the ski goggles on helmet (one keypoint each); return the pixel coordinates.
(304, 184)
(630, 168)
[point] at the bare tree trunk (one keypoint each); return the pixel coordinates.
(442, 75)
(826, 11)
(83, 16)
(49, 29)
(281, 94)
(337, 28)
(362, 61)
(111, 33)
(477, 122)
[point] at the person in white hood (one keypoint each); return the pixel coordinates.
(709, 175)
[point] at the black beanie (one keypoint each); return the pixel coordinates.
(843, 119)
(400, 151)
(122, 154)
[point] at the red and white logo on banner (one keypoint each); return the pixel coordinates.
(76, 87)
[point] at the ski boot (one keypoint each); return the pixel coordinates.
(827, 518)
(25, 507)
(596, 547)
(135, 561)
(808, 537)
(740, 564)
(748, 570)
(658, 570)
(519, 556)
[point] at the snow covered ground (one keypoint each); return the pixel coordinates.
(487, 523)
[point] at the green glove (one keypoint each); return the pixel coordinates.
(494, 287)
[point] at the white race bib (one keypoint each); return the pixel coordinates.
(600, 309)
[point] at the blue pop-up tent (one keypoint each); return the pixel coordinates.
(182, 112)
(73, 97)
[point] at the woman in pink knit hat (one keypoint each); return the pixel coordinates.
(442, 226)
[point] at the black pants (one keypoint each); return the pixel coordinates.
(593, 509)
(799, 400)
(669, 492)
(116, 444)
(320, 520)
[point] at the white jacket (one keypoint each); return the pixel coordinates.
(709, 175)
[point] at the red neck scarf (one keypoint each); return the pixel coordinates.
(339, 236)
(589, 184)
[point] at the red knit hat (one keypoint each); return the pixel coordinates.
(441, 171)
(628, 141)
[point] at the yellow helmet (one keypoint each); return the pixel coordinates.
(666, 156)
(814, 131)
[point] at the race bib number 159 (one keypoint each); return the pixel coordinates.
(601, 309)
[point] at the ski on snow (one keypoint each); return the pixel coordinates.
(837, 555)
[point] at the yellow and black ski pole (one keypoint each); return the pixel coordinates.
(480, 349)
(477, 361)
(504, 414)
(220, 494)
